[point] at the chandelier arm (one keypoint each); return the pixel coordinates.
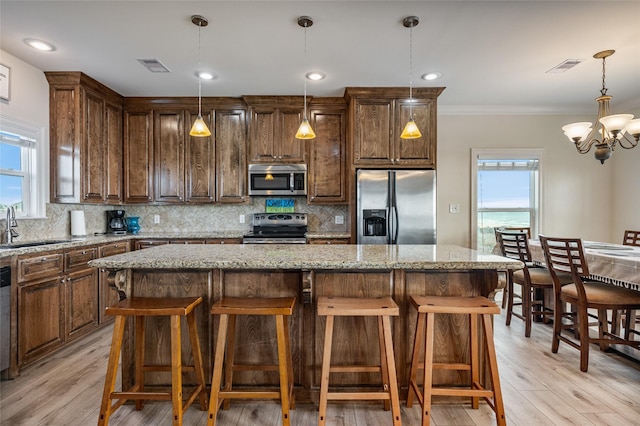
(631, 142)
(585, 146)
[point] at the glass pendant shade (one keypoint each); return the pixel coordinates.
(615, 123)
(199, 128)
(577, 132)
(305, 131)
(633, 127)
(411, 130)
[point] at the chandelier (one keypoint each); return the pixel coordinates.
(609, 130)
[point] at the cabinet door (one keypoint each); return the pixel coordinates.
(93, 149)
(41, 328)
(168, 140)
(289, 149)
(200, 169)
(113, 156)
(263, 133)
(108, 295)
(416, 152)
(82, 302)
(143, 244)
(372, 121)
(64, 107)
(138, 157)
(327, 163)
(231, 148)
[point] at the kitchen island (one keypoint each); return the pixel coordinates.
(307, 272)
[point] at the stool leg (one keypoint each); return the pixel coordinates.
(283, 369)
(176, 371)
(326, 365)
(415, 360)
(139, 358)
(493, 364)
(384, 368)
(475, 370)
(217, 369)
(428, 370)
(391, 365)
(292, 399)
(112, 370)
(230, 355)
(197, 359)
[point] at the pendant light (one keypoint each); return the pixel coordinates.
(199, 127)
(305, 131)
(410, 130)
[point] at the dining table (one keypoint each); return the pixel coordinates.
(611, 263)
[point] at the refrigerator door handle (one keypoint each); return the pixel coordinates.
(397, 227)
(393, 207)
(389, 207)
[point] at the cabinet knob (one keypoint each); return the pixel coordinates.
(43, 259)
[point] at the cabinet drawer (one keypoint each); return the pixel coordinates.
(75, 259)
(40, 266)
(113, 248)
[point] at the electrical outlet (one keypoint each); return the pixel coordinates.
(156, 218)
(241, 218)
(339, 220)
(454, 208)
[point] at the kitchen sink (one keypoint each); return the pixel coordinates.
(31, 244)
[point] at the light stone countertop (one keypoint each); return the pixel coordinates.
(294, 256)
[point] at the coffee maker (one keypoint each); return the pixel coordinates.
(116, 224)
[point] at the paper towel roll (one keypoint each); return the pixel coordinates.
(77, 224)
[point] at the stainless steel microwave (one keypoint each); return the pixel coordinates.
(277, 179)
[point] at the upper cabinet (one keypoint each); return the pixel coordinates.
(274, 121)
(85, 140)
(327, 173)
(377, 117)
(167, 165)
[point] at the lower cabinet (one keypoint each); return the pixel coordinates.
(108, 295)
(82, 302)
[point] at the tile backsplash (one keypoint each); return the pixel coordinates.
(173, 218)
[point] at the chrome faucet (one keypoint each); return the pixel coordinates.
(11, 233)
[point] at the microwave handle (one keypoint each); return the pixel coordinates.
(292, 182)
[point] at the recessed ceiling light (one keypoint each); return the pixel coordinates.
(315, 75)
(431, 76)
(39, 44)
(205, 75)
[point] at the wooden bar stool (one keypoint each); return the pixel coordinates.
(228, 308)
(428, 307)
(383, 308)
(141, 308)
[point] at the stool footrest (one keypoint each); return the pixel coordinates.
(365, 396)
(248, 367)
(249, 394)
(481, 393)
(141, 395)
(166, 368)
(355, 369)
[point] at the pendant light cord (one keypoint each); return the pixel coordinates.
(305, 78)
(410, 73)
(199, 78)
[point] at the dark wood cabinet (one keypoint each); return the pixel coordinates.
(168, 144)
(200, 162)
(138, 156)
(85, 140)
(107, 295)
(273, 123)
(82, 302)
(327, 174)
(231, 155)
(377, 117)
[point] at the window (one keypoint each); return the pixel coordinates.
(506, 193)
(21, 181)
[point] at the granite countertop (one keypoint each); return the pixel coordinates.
(67, 242)
(284, 256)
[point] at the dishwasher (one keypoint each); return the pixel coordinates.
(5, 317)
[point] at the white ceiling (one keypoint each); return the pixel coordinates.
(493, 55)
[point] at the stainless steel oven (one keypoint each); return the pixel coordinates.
(277, 228)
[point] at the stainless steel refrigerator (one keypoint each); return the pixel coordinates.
(396, 206)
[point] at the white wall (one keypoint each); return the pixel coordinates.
(580, 196)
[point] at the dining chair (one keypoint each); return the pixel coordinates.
(526, 229)
(533, 280)
(631, 238)
(566, 255)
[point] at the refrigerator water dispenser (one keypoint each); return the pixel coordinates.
(375, 223)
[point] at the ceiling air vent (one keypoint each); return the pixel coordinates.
(564, 66)
(154, 65)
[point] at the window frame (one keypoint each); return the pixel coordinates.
(35, 166)
(535, 187)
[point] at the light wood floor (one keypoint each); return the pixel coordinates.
(540, 388)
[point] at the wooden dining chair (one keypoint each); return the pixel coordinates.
(533, 280)
(566, 255)
(505, 290)
(631, 238)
